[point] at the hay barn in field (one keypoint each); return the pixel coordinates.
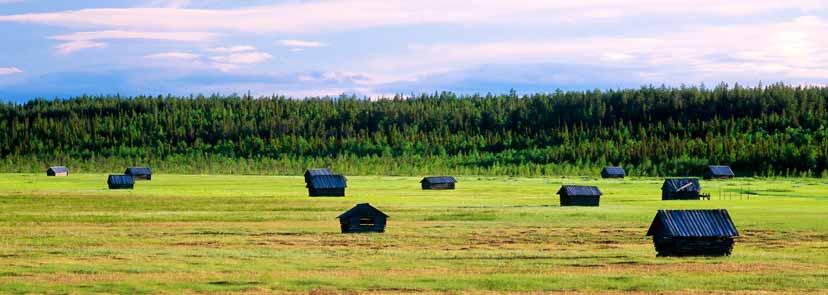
(719, 172)
(577, 195)
(120, 182)
(681, 189)
(613, 172)
(693, 233)
(363, 218)
(327, 186)
(57, 171)
(139, 173)
(438, 183)
(316, 172)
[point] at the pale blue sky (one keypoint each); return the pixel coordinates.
(301, 48)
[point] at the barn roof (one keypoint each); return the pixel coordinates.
(693, 224)
(318, 171)
(138, 171)
(614, 171)
(121, 179)
(675, 185)
(439, 179)
(59, 169)
(579, 190)
(327, 181)
(364, 209)
(718, 170)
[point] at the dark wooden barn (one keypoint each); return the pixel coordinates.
(139, 173)
(327, 186)
(681, 189)
(57, 171)
(121, 182)
(577, 195)
(438, 182)
(316, 172)
(693, 233)
(363, 218)
(613, 172)
(718, 172)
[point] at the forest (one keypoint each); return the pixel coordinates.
(767, 130)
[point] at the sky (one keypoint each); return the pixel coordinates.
(385, 47)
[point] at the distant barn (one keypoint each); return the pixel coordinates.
(363, 218)
(613, 172)
(438, 182)
(139, 173)
(693, 233)
(121, 182)
(681, 189)
(327, 186)
(576, 195)
(316, 172)
(718, 172)
(57, 171)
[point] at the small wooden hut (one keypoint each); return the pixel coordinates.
(327, 186)
(121, 182)
(57, 171)
(139, 173)
(577, 195)
(438, 183)
(693, 233)
(363, 218)
(718, 172)
(613, 172)
(316, 172)
(681, 189)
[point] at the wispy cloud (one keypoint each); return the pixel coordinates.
(174, 56)
(232, 49)
(10, 71)
(329, 16)
(301, 43)
(243, 58)
(84, 40)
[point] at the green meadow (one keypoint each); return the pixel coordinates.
(260, 234)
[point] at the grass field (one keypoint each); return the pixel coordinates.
(218, 234)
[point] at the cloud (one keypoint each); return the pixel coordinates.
(169, 3)
(10, 71)
(333, 16)
(233, 49)
(174, 56)
(243, 58)
(85, 40)
(301, 43)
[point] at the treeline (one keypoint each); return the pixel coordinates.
(767, 130)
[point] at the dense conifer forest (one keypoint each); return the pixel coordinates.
(775, 130)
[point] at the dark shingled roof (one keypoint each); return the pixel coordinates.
(681, 185)
(693, 224)
(439, 179)
(579, 190)
(327, 181)
(318, 171)
(59, 169)
(716, 170)
(138, 171)
(121, 179)
(614, 171)
(363, 209)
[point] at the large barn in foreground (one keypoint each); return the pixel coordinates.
(681, 189)
(438, 183)
(363, 218)
(693, 232)
(577, 195)
(120, 182)
(57, 171)
(613, 172)
(719, 172)
(327, 186)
